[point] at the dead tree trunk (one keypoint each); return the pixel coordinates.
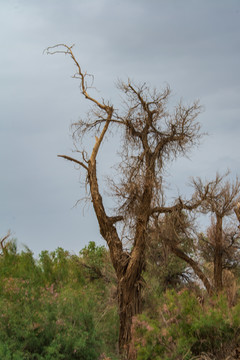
(218, 255)
(128, 267)
(151, 135)
(237, 212)
(129, 300)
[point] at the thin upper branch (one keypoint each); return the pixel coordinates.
(67, 50)
(74, 160)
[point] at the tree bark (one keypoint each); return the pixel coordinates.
(218, 252)
(237, 212)
(128, 267)
(129, 301)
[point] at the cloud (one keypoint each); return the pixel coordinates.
(192, 45)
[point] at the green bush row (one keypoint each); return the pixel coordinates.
(54, 308)
(184, 328)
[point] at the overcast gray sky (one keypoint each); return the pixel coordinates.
(192, 45)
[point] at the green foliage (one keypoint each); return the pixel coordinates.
(49, 310)
(183, 328)
(167, 270)
(18, 265)
(92, 257)
(46, 322)
(163, 271)
(59, 267)
(64, 307)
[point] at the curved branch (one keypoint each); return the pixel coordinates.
(82, 75)
(194, 265)
(74, 160)
(100, 139)
(3, 239)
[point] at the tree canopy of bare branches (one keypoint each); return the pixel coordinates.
(220, 246)
(151, 137)
(222, 200)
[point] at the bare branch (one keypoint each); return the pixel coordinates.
(189, 205)
(74, 160)
(115, 219)
(219, 197)
(4, 239)
(67, 50)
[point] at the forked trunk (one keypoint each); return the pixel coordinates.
(150, 137)
(129, 302)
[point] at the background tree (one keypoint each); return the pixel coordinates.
(151, 137)
(164, 271)
(161, 263)
(175, 229)
(221, 202)
(220, 244)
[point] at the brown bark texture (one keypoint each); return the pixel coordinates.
(218, 254)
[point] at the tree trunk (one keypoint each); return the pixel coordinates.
(178, 252)
(129, 302)
(128, 267)
(218, 252)
(237, 212)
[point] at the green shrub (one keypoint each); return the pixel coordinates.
(45, 323)
(58, 307)
(183, 328)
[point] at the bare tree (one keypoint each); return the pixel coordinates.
(151, 137)
(220, 245)
(221, 201)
